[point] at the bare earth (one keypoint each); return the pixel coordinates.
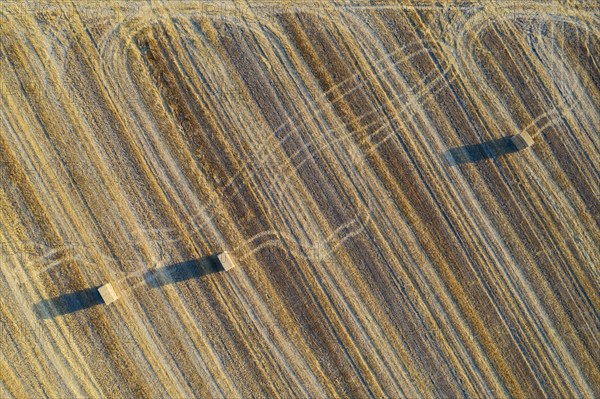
(355, 158)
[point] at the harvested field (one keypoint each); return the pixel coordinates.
(356, 160)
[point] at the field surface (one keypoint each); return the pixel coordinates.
(355, 158)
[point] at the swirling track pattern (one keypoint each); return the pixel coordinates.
(310, 139)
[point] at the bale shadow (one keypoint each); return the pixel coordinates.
(67, 303)
(478, 152)
(182, 271)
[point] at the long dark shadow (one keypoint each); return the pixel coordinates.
(478, 152)
(67, 303)
(183, 271)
